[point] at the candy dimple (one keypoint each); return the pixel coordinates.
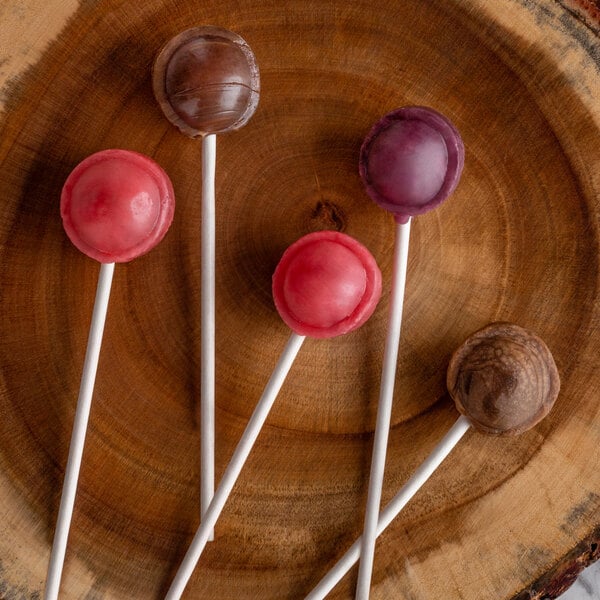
(117, 205)
(411, 161)
(206, 81)
(326, 284)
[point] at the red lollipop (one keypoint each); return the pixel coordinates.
(325, 284)
(115, 205)
(410, 162)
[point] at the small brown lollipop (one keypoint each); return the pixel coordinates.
(503, 380)
(206, 81)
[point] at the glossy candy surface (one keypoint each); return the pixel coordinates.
(411, 161)
(326, 284)
(117, 205)
(206, 81)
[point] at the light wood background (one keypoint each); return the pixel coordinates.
(518, 241)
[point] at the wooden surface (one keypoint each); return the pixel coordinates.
(518, 241)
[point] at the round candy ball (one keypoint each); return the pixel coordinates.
(206, 81)
(411, 161)
(326, 284)
(504, 379)
(116, 205)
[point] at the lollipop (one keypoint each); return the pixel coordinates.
(115, 206)
(326, 284)
(410, 162)
(503, 380)
(206, 82)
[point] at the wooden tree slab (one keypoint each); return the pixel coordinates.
(518, 241)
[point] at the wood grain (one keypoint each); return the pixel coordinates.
(518, 241)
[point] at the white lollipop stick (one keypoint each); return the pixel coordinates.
(384, 411)
(207, 377)
(82, 413)
(235, 466)
(391, 511)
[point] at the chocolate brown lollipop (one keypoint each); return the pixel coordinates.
(206, 82)
(503, 380)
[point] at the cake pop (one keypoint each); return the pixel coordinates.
(503, 381)
(326, 284)
(206, 81)
(410, 162)
(115, 205)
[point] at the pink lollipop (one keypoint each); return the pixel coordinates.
(325, 284)
(410, 162)
(115, 205)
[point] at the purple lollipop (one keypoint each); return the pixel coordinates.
(410, 162)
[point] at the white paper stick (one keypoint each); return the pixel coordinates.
(235, 466)
(384, 411)
(391, 511)
(207, 351)
(82, 413)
